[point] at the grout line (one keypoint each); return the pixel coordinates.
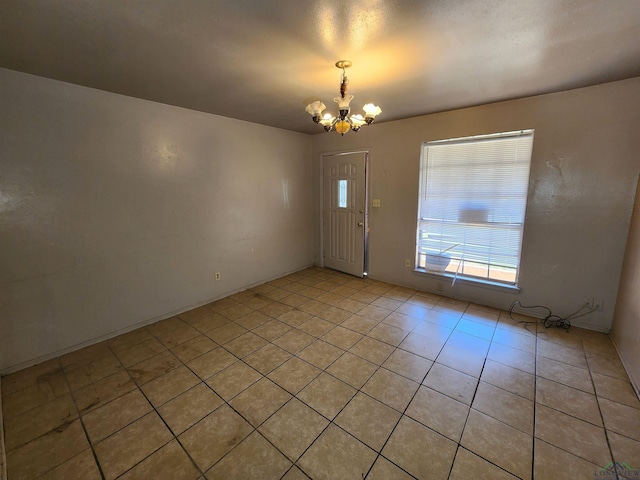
(3, 452)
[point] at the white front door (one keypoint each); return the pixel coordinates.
(344, 212)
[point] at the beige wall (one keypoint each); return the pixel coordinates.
(626, 321)
(583, 177)
(116, 211)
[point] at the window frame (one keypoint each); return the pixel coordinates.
(421, 249)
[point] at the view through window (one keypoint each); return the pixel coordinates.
(473, 196)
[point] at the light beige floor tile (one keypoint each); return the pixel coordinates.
(576, 436)
(470, 343)
(43, 419)
(327, 395)
(383, 469)
(621, 418)
(404, 321)
(235, 312)
(352, 369)
(452, 383)
(560, 336)
(468, 465)
(334, 314)
(48, 386)
(193, 348)
(511, 339)
(359, 323)
(625, 449)
(245, 344)
(176, 336)
(387, 303)
(294, 375)
(321, 354)
(314, 307)
(293, 428)
(170, 385)
(433, 331)
(566, 374)
(129, 339)
(189, 408)
(36, 457)
(568, 400)
(606, 365)
(272, 330)
(215, 435)
(549, 461)
(342, 337)
(140, 352)
(509, 378)
(85, 355)
(169, 462)
(81, 466)
(295, 474)
(507, 407)
(312, 292)
(153, 367)
(204, 321)
(476, 329)
(351, 305)
(294, 341)
(336, 454)
(449, 320)
(408, 365)
(253, 459)
(212, 362)
(439, 412)
(617, 389)
(461, 360)
(233, 380)
(121, 451)
(275, 309)
(97, 394)
(391, 389)
(512, 357)
(368, 420)
(108, 419)
(226, 333)
(267, 358)
(388, 334)
(426, 347)
(596, 342)
(294, 318)
(562, 353)
(364, 297)
(420, 451)
(502, 445)
(372, 350)
(254, 319)
(79, 376)
(316, 326)
(260, 401)
(377, 312)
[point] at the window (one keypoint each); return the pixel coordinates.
(473, 195)
(342, 194)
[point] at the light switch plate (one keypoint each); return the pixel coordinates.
(376, 202)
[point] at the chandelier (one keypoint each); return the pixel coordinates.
(343, 122)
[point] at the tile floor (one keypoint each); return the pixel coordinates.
(326, 376)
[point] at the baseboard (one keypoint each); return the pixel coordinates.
(634, 385)
(102, 338)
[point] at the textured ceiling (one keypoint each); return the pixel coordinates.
(264, 60)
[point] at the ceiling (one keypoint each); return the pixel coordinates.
(264, 60)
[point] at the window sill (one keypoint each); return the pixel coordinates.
(472, 282)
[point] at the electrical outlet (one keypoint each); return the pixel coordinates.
(598, 304)
(407, 263)
(589, 303)
(439, 287)
(217, 276)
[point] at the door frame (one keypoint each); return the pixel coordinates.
(365, 246)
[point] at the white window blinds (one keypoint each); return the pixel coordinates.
(473, 195)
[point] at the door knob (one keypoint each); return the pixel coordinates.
(360, 224)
